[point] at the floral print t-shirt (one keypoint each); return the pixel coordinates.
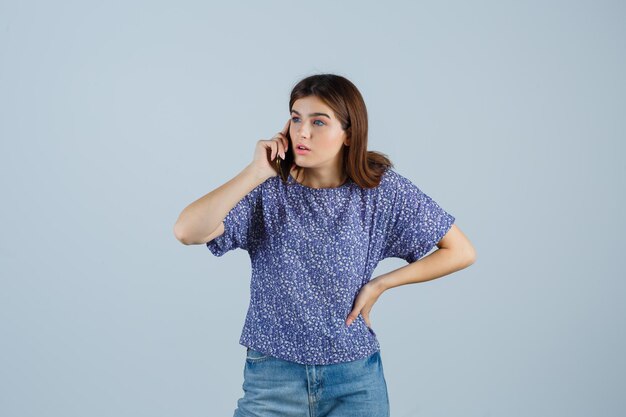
(312, 249)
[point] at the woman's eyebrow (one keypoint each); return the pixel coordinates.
(311, 114)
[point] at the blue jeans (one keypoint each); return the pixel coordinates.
(275, 387)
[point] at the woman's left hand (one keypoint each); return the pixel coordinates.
(364, 301)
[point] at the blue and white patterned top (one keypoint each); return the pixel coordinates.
(312, 249)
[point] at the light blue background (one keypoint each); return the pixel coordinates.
(116, 115)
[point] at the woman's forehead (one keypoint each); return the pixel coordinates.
(311, 106)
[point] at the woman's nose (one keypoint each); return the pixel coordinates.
(303, 132)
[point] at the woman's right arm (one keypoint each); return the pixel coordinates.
(202, 220)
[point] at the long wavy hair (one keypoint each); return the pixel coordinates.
(363, 167)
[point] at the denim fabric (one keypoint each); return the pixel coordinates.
(275, 387)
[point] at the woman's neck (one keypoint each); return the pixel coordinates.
(309, 179)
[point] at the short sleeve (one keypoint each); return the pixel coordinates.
(416, 225)
(242, 225)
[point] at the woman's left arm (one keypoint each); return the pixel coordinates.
(455, 252)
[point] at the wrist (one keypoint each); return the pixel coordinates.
(255, 173)
(379, 283)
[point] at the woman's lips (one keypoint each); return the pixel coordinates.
(302, 151)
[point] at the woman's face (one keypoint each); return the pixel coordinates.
(314, 125)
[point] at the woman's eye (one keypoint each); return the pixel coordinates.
(293, 119)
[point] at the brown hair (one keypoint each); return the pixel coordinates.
(363, 167)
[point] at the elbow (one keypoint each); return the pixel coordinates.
(469, 255)
(464, 255)
(180, 234)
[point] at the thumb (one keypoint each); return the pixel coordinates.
(352, 316)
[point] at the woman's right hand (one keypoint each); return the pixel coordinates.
(268, 150)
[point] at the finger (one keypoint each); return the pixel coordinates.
(271, 147)
(275, 150)
(284, 134)
(281, 146)
(276, 144)
(352, 316)
(286, 128)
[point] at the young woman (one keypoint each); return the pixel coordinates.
(316, 212)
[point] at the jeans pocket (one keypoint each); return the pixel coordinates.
(253, 356)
